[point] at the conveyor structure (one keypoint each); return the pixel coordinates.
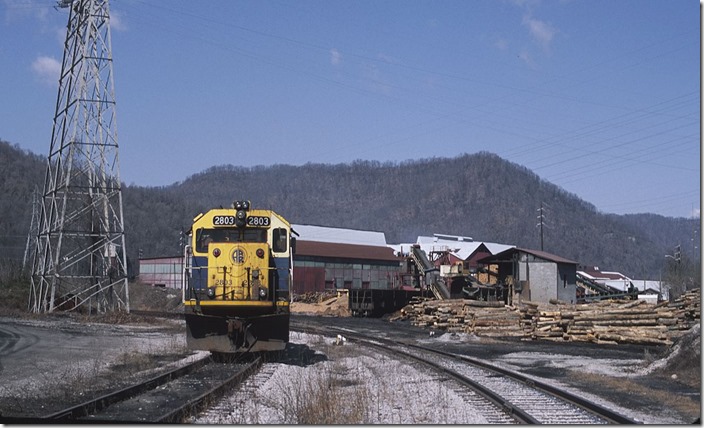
(430, 272)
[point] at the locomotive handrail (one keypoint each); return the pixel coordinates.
(186, 278)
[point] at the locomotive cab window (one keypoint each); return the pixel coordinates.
(205, 236)
(203, 239)
(280, 241)
(253, 235)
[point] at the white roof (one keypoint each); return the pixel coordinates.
(339, 236)
(462, 248)
(495, 248)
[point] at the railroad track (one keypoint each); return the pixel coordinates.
(503, 395)
(167, 398)
(159, 314)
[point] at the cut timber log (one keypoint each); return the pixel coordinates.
(632, 340)
(481, 303)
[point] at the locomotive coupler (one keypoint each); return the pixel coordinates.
(239, 333)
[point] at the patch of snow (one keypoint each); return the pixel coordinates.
(451, 338)
(604, 366)
(676, 352)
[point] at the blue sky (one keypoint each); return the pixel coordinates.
(600, 97)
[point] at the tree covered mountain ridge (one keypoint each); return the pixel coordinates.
(478, 195)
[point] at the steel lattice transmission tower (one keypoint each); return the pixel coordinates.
(80, 256)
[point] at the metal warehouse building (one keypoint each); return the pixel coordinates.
(319, 266)
(329, 258)
(161, 271)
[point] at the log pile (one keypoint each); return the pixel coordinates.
(441, 314)
(688, 310)
(604, 322)
(611, 321)
(495, 321)
(466, 316)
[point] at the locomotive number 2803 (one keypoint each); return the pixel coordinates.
(223, 220)
(258, 221)
(229, 220)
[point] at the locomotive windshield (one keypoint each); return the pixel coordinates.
(206, 236)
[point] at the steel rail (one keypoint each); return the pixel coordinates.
(518, 414)
(172, 410)
(197, 403)
(609, 415)
(158, 314)
(100, 403)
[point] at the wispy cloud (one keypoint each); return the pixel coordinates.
(47, 70)
(541, 31)
(117, 23)
(335, 57)
(501, 44)
(527, 58)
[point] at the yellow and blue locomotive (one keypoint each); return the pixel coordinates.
(237, 278)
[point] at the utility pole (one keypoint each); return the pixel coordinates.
(678, 254)
(541, 221)
(80, 259)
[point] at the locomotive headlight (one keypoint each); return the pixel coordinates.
(211, 292)
(262, 293)
(260, 253)
(216, 252)
(240, 218)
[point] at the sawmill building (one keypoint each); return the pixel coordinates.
(535, 275)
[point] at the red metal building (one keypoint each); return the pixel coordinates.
(320, 266)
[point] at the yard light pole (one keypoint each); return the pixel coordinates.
(674, 274)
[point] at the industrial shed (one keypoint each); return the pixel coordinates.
(536, 275)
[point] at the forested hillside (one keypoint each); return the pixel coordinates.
(479, 195)
(20, 173)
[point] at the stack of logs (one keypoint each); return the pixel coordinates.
(604, 322)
